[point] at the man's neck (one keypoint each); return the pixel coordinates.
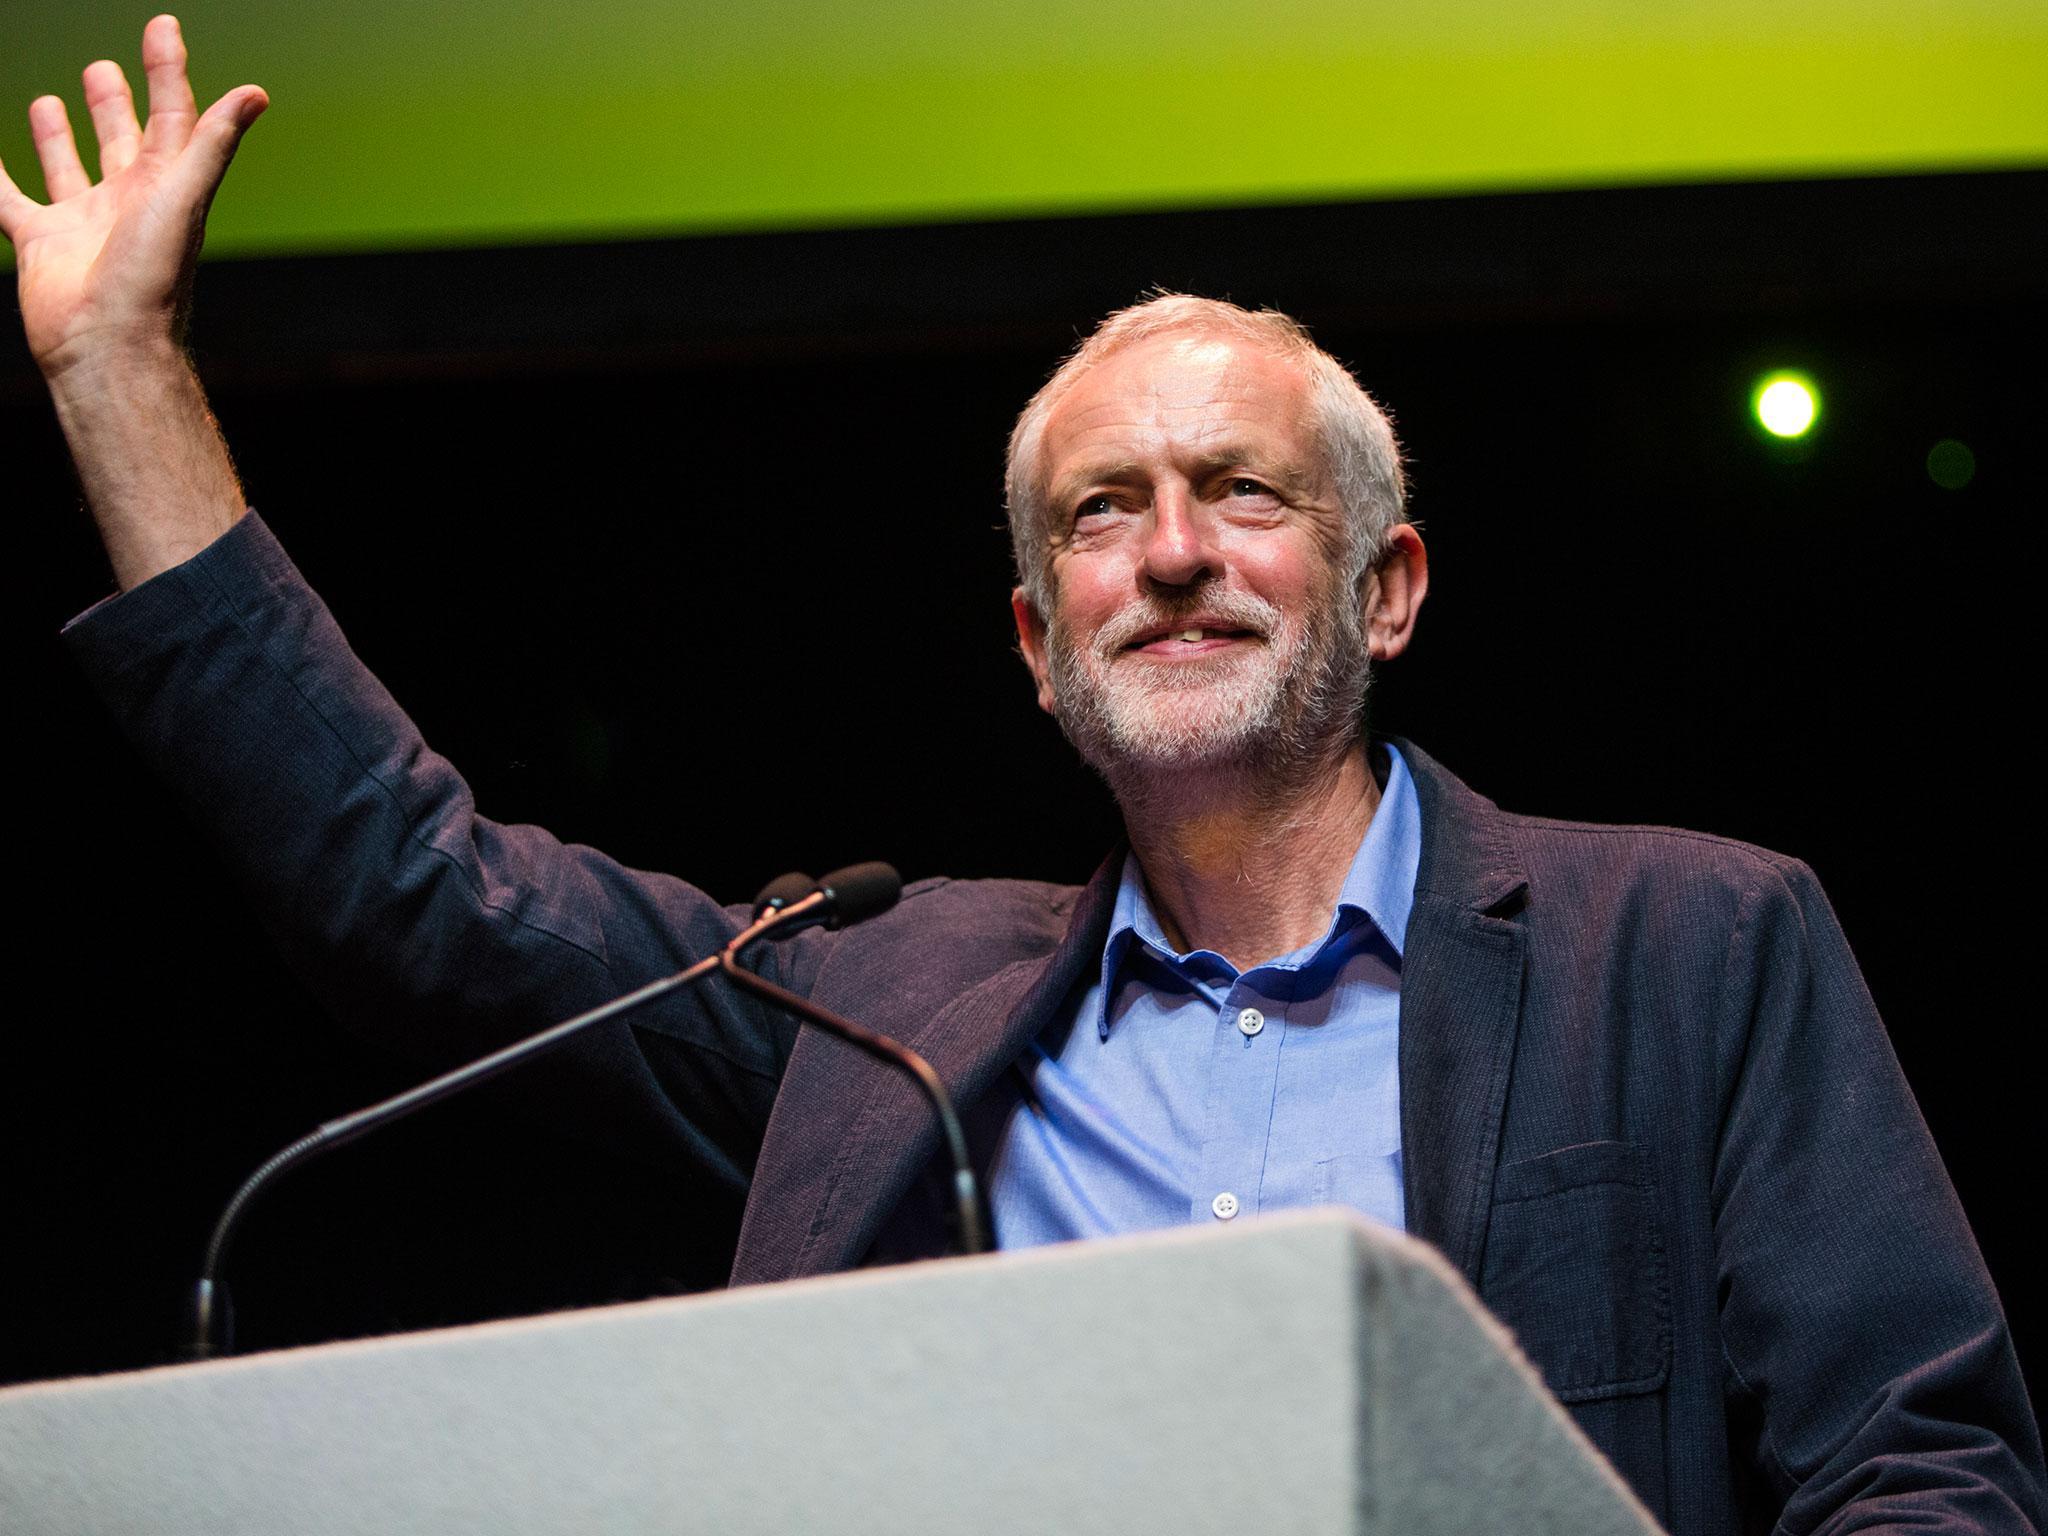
(1246, 867)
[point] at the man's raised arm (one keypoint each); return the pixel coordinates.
(413, 917)
(105, 271)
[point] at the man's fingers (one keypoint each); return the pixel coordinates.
(112, 106)
(50, 126)
(15, 205)
(172, 111)
(214, 140)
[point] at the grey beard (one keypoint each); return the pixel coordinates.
(1272, 719)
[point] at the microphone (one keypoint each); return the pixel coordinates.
(844, 897)
(783, 901)
(781, 891)
(852, 895)
(856, 893)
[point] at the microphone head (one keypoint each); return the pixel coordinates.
(859, 892)
(781, 891)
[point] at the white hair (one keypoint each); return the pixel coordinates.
(1358, 441)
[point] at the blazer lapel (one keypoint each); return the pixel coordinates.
(893, 1133)
(1461, 997)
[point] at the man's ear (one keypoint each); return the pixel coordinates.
(1393, 594)
(1031, 642)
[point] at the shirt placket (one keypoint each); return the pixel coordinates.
(1244, 1064)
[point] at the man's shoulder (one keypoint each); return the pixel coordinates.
(1675, 886)
(945, 937)
(977, 902)
(945, 941)
(1594, 863)
(1678, 851)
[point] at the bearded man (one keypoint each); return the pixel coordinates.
(1207, 515)
(1626, 1079)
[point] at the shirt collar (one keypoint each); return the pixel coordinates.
(1379, 887)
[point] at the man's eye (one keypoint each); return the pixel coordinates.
(1094, 506)
(1243, 487)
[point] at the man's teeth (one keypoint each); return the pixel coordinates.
(1191, 636)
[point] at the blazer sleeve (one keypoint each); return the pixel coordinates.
(1867, 1354)
(413, 918)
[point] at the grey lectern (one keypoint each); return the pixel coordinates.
(1303, 1373)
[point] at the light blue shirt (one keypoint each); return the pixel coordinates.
(1181, 1090)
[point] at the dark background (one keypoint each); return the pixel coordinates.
(692, 550)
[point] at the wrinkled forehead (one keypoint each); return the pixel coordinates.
(1194, 395)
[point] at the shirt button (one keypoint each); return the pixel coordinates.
(1224, 1205)
(1250, 1022)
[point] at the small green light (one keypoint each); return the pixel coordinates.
(1786, 404)
(1950, 464)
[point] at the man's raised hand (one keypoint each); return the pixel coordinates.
(105, 269)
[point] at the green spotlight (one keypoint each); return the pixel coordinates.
(1786, 404)
(1950, 464)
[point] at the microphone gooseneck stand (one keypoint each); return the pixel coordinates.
(791, 899)
(787, 906)
(852, 895)
(967, 1209)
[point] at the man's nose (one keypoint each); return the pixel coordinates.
(1180, 545)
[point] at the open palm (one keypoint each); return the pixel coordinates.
(109, 265)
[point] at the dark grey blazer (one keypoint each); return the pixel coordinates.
(1647, 1106)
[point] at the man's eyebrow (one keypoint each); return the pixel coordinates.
(1257, 463)
(1215, 461)
(1108, 472)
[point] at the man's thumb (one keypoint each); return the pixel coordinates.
(214, 141)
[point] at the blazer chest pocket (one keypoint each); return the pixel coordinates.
(1575, 1266)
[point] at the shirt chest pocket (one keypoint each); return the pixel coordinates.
(1367, 1181)
(1575, 1266)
